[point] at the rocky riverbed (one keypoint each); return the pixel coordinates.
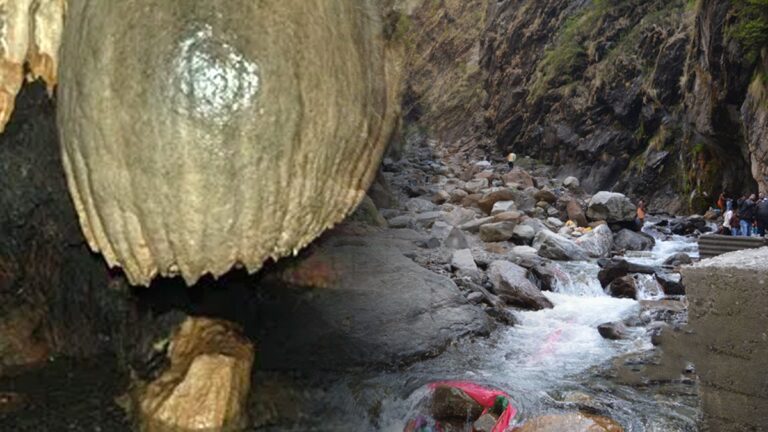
(452, 269)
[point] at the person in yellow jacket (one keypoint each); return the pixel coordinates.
(511, 158)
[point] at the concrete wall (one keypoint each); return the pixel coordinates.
(728, 338)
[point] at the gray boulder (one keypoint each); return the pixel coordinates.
(678, 259)
(496, 232)
(404, 221)
(511, 284)
(613, 330)
(598, 243)
(379, 308)
(611, 207)
(419, 205)
(633, 241)
(523, 234)
(623, 287)
(571, 183)
(474, 225)
(557, 247)
(463, 263)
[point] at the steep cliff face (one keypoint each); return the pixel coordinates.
(654, 98)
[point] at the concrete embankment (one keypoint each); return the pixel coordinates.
(728, 343)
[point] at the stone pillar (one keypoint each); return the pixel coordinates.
(728, 343)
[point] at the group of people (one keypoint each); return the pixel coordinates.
(747, 216)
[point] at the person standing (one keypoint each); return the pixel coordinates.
(762, 216)
(747, 215)
(640, 214)
(728, 217)
(721, 202)
(511, 158)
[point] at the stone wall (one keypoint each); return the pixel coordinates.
(728, 338)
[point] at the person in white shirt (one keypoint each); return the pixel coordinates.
(511, 158)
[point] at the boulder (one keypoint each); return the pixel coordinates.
(536, 224)
(503, 207)
(547, 275)
(554, 223)
(611, 207)
(523, 234)
(571, 422)
(497, 231)
(486, 423)
(441, 197)
(488, 200)
(623, 287)
(511, 284)
(457, 196)
(571, 183)
(476, 185)
(427, 219)
(464, 264)
(613, 330)
(403, 221)
(598, 242)
(629, 240)
(546, 196)
(471, 200)
(678, 259)
(616, 268)
(459, 216)
(670, 285)
(206, 385)
(367, 213)
(525, 199)
(456, 240)
(519, 177)
(513, 216)
(557, 247)
(474, 226)
(575, 213)
(689, 225)
(450, 403)
(419, 205)
(378, 307)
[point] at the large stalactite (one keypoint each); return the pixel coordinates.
(199, 135)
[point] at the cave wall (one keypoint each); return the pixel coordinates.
(652, 98)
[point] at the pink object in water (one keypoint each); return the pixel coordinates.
(485, 397)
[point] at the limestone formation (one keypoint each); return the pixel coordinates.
(30, 34)
(239, 134)
(207, 384)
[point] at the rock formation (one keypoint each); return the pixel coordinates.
(239, 134)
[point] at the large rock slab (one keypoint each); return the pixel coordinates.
(611, 207)
(488, 200)
(726, 337)
(497, 231)
(511, 283)
(376, 307)
(557, 247)
(598, 243)
(629, 240)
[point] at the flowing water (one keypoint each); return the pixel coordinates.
(546, 360)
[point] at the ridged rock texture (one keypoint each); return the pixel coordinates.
(30, 34)
(652, 98)
(199, 135)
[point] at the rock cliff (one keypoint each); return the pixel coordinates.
(659, 99)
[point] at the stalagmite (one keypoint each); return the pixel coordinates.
(30, 32)
(199, 135)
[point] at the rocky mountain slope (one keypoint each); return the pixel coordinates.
(659, 99)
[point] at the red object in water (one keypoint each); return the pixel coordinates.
(485, 397)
